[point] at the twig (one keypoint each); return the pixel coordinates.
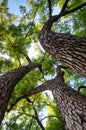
(49, 116)
(40, 67)
(36, 117)
(28, 59)
(79, 88)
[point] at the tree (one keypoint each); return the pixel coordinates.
(71, 103)
(63, 47)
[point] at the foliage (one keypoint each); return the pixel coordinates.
(17, 34)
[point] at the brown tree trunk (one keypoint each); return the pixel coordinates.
(71, 50)
(7, 83)
(68, 49)
(71, 103)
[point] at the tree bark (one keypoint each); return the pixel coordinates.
(71, 50)
(68, 49)
(71, 103)
(7, 83)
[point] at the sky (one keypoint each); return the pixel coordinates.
(14, 6)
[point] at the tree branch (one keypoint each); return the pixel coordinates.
(28, 100)
(50, 8)
(41, 88)
(36, 115)
(29, 60)
(64, 6)
(40, 67)
(46, 86)
(79, 88)
(38, 120)
(49, 116)
(73, 10)
(66, 12)
(15, 102)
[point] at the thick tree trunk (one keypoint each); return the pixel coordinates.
(68, 49)
(71, 103)
(7, 83)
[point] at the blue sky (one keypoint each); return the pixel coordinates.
(14, 6)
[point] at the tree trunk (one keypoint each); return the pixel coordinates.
(71, 103)
(68, 49)
(7, 83)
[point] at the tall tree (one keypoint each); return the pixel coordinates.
(61, 46)
(70, 102)
(68, 49)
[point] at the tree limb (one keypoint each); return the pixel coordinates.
(66, 12)
(38, 120)
(14, 103)
(36, 117)
(46, 86)
(29, 60)
(73, 10)
(41, 88)
(50, 8)
(64, 6)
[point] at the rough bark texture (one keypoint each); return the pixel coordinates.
(71, 50)
(68, 49)
(71, 103)
(7, 83)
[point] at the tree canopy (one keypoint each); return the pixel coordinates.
(18, 36)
